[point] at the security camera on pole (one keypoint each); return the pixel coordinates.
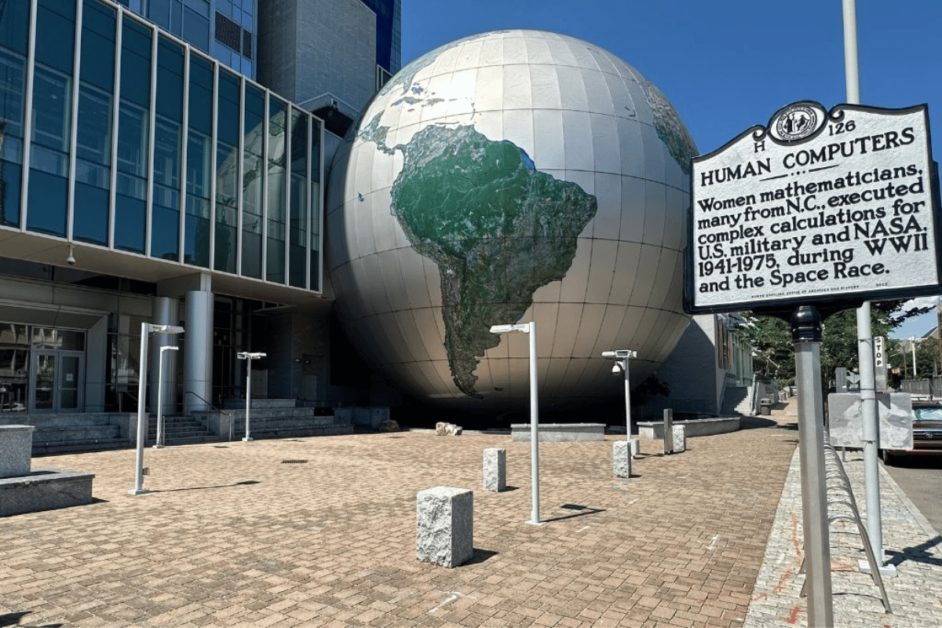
(622, 462)
(248, 357)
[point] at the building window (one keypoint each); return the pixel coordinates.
(227, 172)
(168, 138)
(96, 111)
(253, 135)
(198, 164)
(277, 192)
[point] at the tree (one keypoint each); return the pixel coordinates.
(772, 338)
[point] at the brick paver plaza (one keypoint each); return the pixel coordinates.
(235, 535)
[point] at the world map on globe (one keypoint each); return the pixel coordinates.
(496, 226)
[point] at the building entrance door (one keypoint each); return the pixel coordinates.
(57, 378)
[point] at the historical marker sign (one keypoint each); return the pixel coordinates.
(836, 207)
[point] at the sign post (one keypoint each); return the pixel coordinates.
(817, 211)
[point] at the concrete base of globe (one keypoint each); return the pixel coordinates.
(16, 449)
(495, 469)
(621, 461)
(444, 526)
(560, 432)
(697, 427)
(44, 489)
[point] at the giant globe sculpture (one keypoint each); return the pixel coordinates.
(507, 177)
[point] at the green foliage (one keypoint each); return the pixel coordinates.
(839, 344)
(771, 338)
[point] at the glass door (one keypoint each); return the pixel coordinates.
(44, 382)
(57, 381)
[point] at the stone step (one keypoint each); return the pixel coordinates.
(76, 433)
(78, 446)
(239, 404)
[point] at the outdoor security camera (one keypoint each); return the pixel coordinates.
(71, 258)
(616, 370)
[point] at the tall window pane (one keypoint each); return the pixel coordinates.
(14, 29)
(227, 172)
(315, 209)
(299, 210)
(165, 213)
(277, 180)
(198, 164)
(52, 115)
(133, 134)
(253, 138)
(93, 152)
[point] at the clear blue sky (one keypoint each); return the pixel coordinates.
(729, 64)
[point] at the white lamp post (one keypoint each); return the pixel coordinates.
(621, 365)
(530, 328)
(248, 357)
(160, 444)
(912, 344)
(146, 330)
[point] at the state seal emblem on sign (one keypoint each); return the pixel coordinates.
(797, 121)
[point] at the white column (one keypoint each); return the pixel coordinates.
(198, 349)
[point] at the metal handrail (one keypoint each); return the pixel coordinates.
(209, 403)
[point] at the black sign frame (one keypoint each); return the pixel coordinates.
(831, 302)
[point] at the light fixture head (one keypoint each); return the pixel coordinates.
(71, 258)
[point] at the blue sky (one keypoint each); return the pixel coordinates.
(729, 64)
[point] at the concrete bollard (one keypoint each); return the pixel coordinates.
(635, 447)
(16, 449)
(668, 431)
(444, 526)
(680, 439)
(495, 469)
(621, 461)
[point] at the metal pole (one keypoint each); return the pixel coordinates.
(912, 345)
(160, 400)
(534, 428)
(806, 335)
(248, 397)
(141, 417)
(868, 401)
(871, 432)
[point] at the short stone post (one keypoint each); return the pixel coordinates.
(621, 461)
(16, 449)
(444, 526)
(680, 439)
(635, 447)
(668, 431)
(495, 469)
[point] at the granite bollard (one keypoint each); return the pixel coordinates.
(680, 439)
(495, 469)
(621, 460)
(16, 449)
(444, 526)
(668, 431)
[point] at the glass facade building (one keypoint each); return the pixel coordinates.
(118, 135)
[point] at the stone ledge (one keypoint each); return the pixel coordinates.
(44, 489)
(697, 427)
(560, 432)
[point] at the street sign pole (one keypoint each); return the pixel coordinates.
(806, 334)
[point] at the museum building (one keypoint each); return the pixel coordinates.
(147, 174)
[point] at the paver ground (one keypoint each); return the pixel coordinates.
(321, 532)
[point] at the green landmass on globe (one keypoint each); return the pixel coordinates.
(497, 228)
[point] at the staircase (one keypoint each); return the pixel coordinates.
(181, 430)
(278, 418)
(737, 400)
(73, 433)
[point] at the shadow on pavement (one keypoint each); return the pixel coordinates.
(752, 423)
(203, 488)
(583, 511)
(918, 554)
(13, 619)
(480, 555)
